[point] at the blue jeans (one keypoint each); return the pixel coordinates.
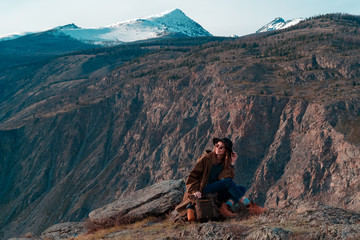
(226, 189)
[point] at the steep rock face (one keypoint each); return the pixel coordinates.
(309, 159)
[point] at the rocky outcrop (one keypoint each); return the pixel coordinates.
(155, 200)
(299, 220)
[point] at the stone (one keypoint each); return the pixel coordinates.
(64, 230)
(154, 200)
(269, 233)
(207, 231)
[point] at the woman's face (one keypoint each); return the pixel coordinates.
(220, 148)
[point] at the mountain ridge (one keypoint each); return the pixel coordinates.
(161, 25)
(278, 24)
(68, 38)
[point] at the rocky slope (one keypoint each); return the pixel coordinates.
(83, 129)
(300, 221)
(311, 220)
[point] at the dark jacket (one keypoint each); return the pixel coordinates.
(199, 176)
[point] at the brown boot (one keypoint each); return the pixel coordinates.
(253, 209)
(225, 211)
(190, 214)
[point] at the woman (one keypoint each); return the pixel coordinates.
(213, 173)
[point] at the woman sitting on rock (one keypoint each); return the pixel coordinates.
(214, 173)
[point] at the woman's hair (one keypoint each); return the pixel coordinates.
(227, 158)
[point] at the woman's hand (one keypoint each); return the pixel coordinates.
(233, 158)
(197, 194)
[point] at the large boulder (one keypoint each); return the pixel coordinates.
(154, 200)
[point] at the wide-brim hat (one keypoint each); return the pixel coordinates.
(227, 142)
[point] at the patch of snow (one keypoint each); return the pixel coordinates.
(12, 36)
(279, 23)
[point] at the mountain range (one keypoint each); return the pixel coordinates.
(169, 23)
(18, 49)
(31, 47)
(81, 126)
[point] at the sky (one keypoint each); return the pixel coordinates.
(219, 17)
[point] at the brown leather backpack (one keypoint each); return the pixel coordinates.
(206, 208)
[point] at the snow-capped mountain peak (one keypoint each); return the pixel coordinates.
(170, 23)
(279, 23)
(177, 21)
(173, 22)
(176, 13)
(166, 23)
(68, 26)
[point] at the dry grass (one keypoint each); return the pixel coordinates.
(290, 224)
(118, 220)
(149, 228)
